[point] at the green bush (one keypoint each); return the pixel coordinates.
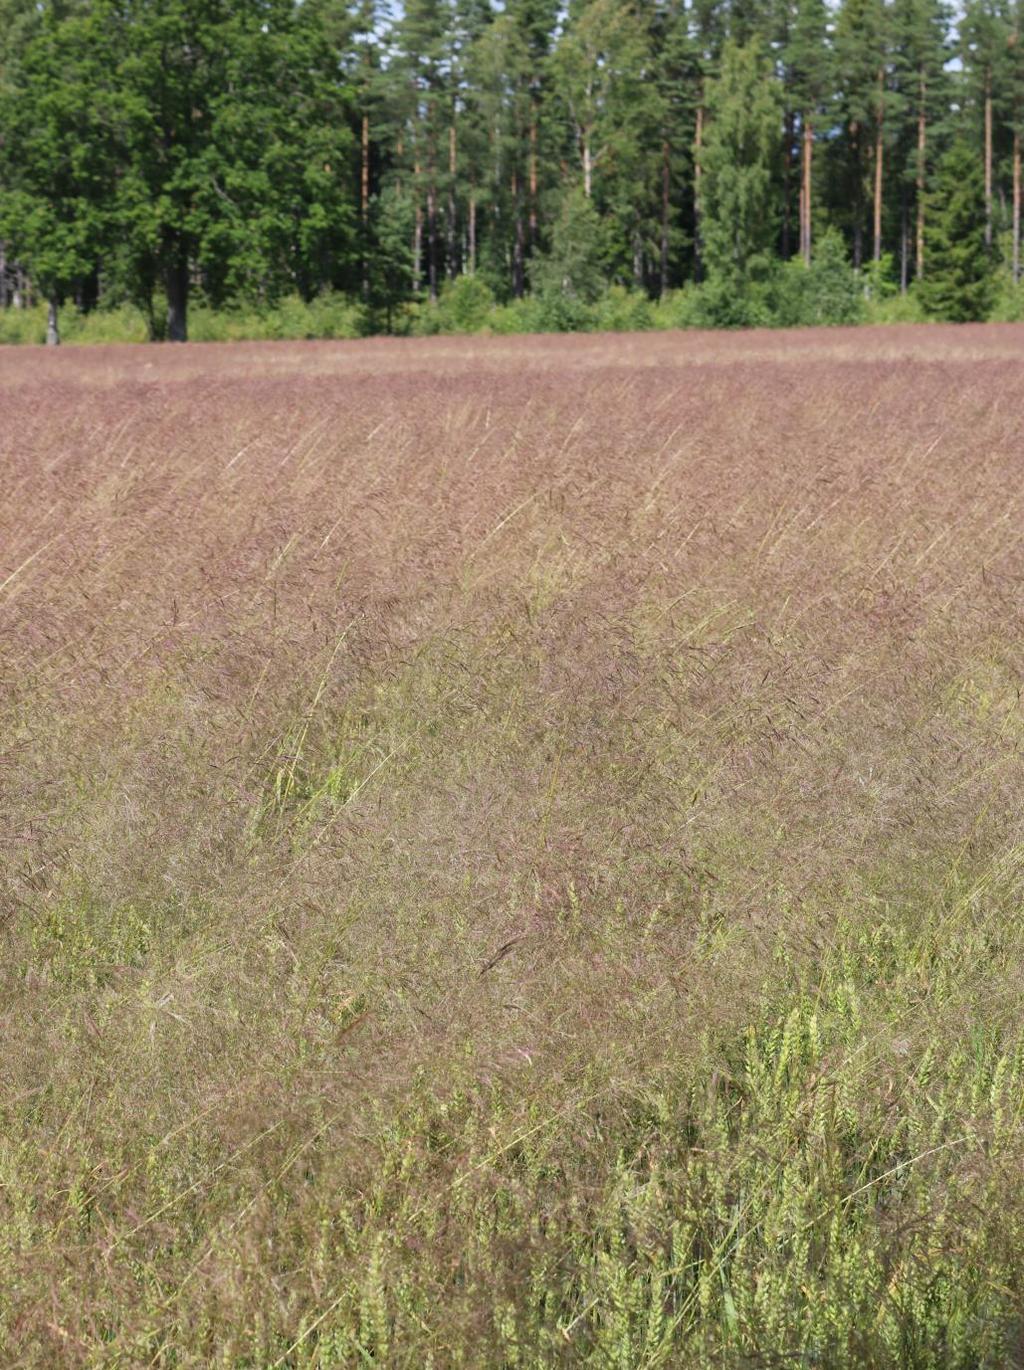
(719, 304)
(1008, 300)
(23, 325)
(291, 319)
(826, 292)
(518, 316)
(791, 295)
(119, 325)
(465, 305)
(678, 309)
(561, 312)
(894, 308)
(123, 324)
(623, 311)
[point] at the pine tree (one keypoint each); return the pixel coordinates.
(861, 47)
(421, 74)
(957, 286)
(709, 27)
(809, 76)
(678, 76)
(500, 110)
(535, 22)
(1011, 113)
(983, 33)
(920, 30)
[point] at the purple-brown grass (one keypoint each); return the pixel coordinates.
(511, 851)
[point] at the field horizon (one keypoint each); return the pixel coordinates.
(512, 851)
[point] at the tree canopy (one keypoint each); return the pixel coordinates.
(158, 151)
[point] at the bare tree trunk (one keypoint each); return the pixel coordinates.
(432, 236)
(858, 207)
(698, 142)
(176, 283)
(52, 331)
(533, 174)
(364, 198)
(588, 166)
(1016, 205)
(3, 275)
(879, 155)
(787, 182)
(919, 183)
(805, 190)
(452, 226)
(417, 233)
(988, 159)
(801, 215)
(904, 243)
(518, 253)
(666, 200)
(472, 232)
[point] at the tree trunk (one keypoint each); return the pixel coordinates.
(432, 237)
(472, 232)
(988, 159)
(3, 276)
(801, 215)
(666, 200)
(904, 242)
(919, 183)
(789, 134)
(52, 331)
(452, 225)
(698, 140)
(533, 173)
(417, 234)
(364, 199)
(1016, 205)
(858, 207)
(588, 167)
(879, 155)
(518, 254)
(805, 190)
(176, 283)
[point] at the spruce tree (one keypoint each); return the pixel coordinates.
(957, 286)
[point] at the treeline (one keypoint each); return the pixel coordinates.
(157, 151)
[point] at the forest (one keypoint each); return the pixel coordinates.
(738, 161)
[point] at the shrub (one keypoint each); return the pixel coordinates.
(678, 309)
(23, 325)
(623, 311)
(290, 319)
(1008, 301)
(826, 292)
(465, 305)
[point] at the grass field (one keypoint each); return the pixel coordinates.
(511, 852)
